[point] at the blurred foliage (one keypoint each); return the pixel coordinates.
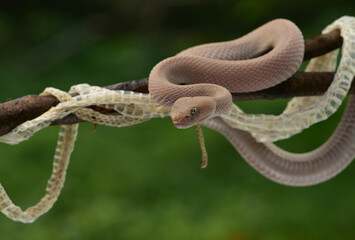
(144, 182)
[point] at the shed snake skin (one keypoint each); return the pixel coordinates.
(272, 162)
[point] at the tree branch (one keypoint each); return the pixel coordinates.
(15, 112)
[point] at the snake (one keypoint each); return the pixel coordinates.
(197, 82)
(179, 82)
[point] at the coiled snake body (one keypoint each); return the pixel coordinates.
(261, 59)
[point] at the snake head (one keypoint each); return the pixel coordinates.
(189, 111)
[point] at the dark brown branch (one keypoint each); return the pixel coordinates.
(322, 44)
(15, 112)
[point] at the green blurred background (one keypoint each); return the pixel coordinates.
(144, 182)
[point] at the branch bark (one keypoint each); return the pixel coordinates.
(15, 112)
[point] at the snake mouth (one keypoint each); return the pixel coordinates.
(180, 124)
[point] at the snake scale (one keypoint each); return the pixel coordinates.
(184, 87)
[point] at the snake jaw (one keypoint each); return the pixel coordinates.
(181, 122)
(180, 125)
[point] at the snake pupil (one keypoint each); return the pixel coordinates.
(193, 110)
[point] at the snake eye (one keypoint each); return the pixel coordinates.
(193, 110)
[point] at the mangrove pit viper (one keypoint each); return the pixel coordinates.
(195, 85)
